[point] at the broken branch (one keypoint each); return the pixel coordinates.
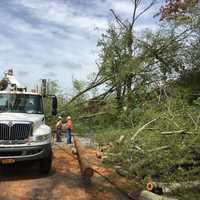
(175, 132)
(171, 187)
(143, 127)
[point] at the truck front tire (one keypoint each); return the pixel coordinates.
(45, 164)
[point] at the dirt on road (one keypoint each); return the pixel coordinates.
(23, 182)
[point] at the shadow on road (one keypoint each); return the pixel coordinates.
(21, 171)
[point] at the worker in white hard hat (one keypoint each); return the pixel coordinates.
(59, 129)
(69, 130)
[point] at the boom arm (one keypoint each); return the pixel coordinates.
(10, 81)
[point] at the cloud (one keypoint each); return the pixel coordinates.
(22, 73)
(123, 7)
(71, 65)
(62, 13)
(64, 64)
(43, 39)
(51, 74)
(49, 65)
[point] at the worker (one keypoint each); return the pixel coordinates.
(69, 130)
(59, 129)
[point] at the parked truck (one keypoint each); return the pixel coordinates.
(24, 136)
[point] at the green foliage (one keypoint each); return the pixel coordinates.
(141, 157)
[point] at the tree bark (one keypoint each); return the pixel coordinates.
(171, 187)
(146, 195)
(86, 169)
(119, 97)
(175, 132)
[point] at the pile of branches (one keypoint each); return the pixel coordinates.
(164, 145)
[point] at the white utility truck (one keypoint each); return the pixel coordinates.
(24, 136)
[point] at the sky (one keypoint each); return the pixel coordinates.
(56, 39)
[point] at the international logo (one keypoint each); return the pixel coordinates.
(10, 124)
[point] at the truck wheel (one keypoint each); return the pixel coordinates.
(45, 164)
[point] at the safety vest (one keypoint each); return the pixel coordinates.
(69, 124)
(59, 125)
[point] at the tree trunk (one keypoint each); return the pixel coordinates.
(129, 76)
(171, 187)
(86, 169)
(129, 92)
(146, 195)
(119, 97)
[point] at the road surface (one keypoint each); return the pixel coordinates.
(23, 182)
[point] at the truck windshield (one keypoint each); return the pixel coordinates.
(21, 103)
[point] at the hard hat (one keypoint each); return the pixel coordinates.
(68, 117)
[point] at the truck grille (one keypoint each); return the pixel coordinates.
(11, 130)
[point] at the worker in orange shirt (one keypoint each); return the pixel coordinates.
(69, 130)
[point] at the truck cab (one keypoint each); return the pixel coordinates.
(24, 136)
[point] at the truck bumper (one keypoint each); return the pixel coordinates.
(25, 153)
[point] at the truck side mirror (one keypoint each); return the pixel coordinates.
(54, 105)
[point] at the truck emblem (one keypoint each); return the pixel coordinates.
(10, 124)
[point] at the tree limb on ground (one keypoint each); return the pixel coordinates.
(146, 195)
(171, 187)
(175, 132)
(143, 127)
(159, 149)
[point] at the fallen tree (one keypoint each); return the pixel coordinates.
(146, 195)
(162, 149)
(86, 169)
(171, 187)
(94, 84)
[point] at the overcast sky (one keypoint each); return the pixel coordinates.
(56, 39)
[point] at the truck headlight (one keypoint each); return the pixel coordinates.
(41, 138)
